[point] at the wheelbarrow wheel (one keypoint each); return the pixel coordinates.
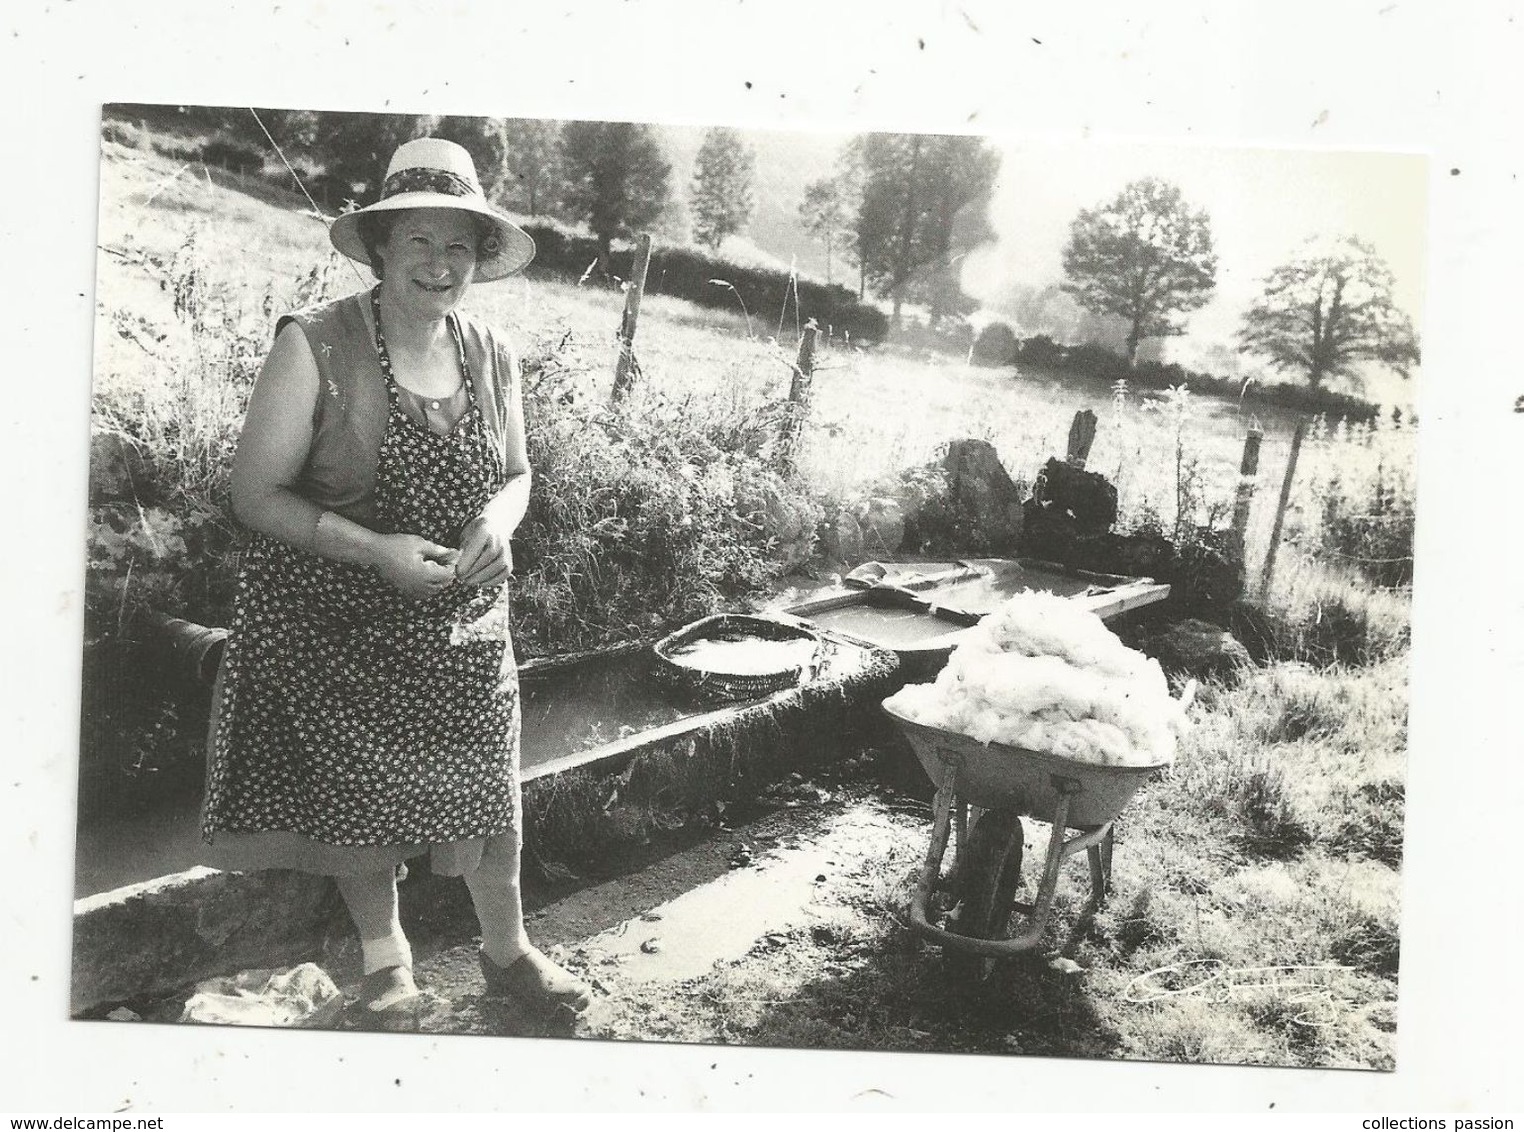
(990, 868)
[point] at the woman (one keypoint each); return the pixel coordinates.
(367, 706)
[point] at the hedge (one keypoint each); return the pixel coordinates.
(686, 273)
(1041, 352)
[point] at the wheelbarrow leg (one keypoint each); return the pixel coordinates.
(1100, 887)
(1100, 875)
(942, 806)
(960, 842)
(1052, 863)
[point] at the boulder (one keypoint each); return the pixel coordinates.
(982, 496)
(1088, 497)
(1199, 649)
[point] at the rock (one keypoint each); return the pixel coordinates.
(1199, 649)
(122, 1014)
(1088, 497)
(161, 935)
(982, 496)
(298, 996)
(882, 526)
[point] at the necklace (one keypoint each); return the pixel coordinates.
(425, 403)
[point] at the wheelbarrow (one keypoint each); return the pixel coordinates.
(1001, 784)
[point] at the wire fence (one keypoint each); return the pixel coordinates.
(1341, 469)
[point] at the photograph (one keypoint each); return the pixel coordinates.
(810, 589)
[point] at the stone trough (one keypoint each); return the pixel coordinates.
(603, 745)
(162, 934)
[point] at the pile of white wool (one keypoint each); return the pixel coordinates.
(1043, 674)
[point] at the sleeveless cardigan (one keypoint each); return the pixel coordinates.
(349, 420)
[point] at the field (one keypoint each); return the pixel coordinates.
(1274, 845)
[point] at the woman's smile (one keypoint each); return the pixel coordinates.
(434, 250)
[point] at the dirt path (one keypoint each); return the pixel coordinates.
(649, 942)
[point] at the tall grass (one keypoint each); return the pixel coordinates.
(1324, 614)
(651, 513)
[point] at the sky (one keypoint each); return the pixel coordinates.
(1263, 203)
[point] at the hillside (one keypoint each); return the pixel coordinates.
(786, 162)
(1029, 211)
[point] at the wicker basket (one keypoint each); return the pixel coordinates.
(719, 685)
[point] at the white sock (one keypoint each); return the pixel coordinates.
(391, 950)
(500, 913)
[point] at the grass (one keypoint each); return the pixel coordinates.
(1217, 944)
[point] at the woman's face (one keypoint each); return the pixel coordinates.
(429, 259)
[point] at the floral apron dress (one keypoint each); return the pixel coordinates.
(352, 717)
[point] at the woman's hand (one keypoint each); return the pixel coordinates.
(417, 567)
(485, 557)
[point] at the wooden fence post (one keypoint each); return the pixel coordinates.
(1280, 508)
(799, 391)
(1081, 437)
(1248, 474)
(626, 369)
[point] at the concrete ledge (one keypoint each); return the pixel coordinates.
(164, 934)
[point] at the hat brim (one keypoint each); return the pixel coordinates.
(515, 251)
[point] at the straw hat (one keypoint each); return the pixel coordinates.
(434, 173)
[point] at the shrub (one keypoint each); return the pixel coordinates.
(1368, 941)
(161, 537)
(700, 278)
(647, 515)
(1374, 533)
(1370, 822)
(1266, 804)
(123, 133)
(1319, 614)
(233, 155)
(1096, 361)
(996, 345)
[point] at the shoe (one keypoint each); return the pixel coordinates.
(536, 983)
(385, 997)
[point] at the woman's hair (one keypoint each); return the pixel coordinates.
(375, 228)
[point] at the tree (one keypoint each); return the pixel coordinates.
(354, 149)
(1327, 311)
(1144, 257)
(615, 178)
(293, 131)
(827, 211)
(484, 140)
(721, 195)
(534, 163)
(915, 188)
